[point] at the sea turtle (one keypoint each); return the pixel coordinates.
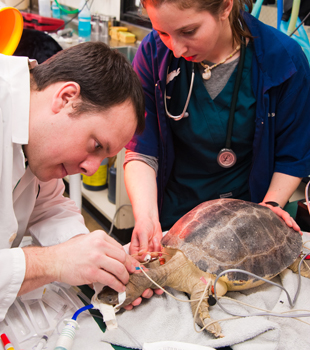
(215, 236)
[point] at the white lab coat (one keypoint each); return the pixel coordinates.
(26, 204)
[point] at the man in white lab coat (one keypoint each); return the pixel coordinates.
(58, 118)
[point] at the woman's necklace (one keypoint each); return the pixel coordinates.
(207, 72)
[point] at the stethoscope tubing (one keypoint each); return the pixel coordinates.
(183, 114)
(235, 95)
(233, 100)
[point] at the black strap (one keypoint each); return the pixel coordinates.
(235, 95)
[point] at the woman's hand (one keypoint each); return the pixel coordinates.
(290, 222)
(280, 190)
(146, 237)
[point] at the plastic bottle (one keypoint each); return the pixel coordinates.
(84, 22)
(44, 8)
(98, 181)
(55, 10)
(67, 335)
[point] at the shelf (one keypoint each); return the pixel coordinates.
(99, 199)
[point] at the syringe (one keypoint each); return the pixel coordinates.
(46, 336)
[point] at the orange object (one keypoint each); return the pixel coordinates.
(11, 29)
(162, 261)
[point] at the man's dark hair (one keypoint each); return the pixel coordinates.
(106, 78)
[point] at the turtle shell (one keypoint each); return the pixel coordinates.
(223, 234)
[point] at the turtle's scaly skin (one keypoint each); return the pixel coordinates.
(229, 233)
(215, 236)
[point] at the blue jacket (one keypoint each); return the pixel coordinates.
(281, 85)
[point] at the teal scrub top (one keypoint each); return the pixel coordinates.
(196, 176)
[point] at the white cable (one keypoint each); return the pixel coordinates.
(307, 196)
(235, 316)
(266, 313)
(114, 217)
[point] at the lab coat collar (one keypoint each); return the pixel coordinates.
(18, 74)
(15, 70)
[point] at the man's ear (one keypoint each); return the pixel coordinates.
(65, 95)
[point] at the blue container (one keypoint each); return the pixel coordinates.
(55, 10)
(84, 22)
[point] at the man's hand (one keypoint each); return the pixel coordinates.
(148, 293)
(95, 257)
(84, 259)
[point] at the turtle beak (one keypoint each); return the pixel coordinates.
(108, 296)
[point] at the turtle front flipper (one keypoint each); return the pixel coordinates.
(203, 317)
(187, 277)
(137, 284)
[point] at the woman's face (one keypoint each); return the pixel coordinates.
(192, 34)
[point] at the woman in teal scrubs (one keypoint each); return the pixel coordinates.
(188, 154)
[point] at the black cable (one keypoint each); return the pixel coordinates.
(76, 15)
(302, 22)
(235, 94)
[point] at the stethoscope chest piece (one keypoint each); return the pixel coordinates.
(226, 158)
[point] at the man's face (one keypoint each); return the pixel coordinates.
(67, 145)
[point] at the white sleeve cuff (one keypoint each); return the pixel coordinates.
(12, 271)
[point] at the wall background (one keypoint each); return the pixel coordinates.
(106, 7)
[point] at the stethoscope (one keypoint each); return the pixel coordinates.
(184, 114)
(226, 157)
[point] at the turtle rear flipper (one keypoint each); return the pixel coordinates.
(304, 268)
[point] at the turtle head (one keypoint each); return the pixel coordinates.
(108, 296)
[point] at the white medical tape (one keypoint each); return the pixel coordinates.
(107, 312)
(121, 299)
